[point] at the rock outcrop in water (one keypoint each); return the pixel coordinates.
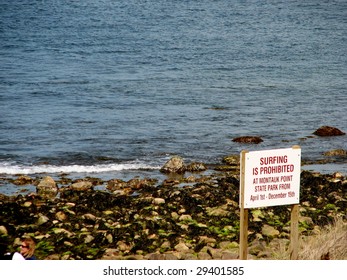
(328, 131)
(248, 139)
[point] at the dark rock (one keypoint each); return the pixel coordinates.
(328, 131)
(232, 160)
(196, 167)
(115, 184)
(4, 197)
(248, 139)
(23, 180)
(337, 152)
(137, 184)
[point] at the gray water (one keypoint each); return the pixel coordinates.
(110, 87)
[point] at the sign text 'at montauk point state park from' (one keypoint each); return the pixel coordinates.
(271, 177)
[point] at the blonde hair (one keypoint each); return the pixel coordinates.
(31, 247)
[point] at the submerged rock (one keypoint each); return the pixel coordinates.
(328, 131)
(232, 160)
(248, 139)
(336, 152)
(196, 167)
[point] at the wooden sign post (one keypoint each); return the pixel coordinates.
(294, 232)
(270, 178)
(243, 212)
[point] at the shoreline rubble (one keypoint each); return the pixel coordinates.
(181, 217)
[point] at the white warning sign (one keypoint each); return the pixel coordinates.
(271, 177)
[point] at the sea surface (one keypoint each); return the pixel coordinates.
(111, 88)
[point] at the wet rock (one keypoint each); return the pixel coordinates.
(248, 139)
(170, 182)
(3, 230)
(337, 152)
(89, 238)
(174, 165)
(63, 231)
(185, 217)
(47, 188)
(207, 240)
(23, 180)
(158, 201)
(196, 167)
(217, 211)
(137, 184)
(27, 203)
(4, 197)
(42, 219)
(115, 184)
(109, 238)
(122, 192)
(337, 175)
(232, 160)
(123, 246)
(228, 168)
(82, 186)
(328, 131)
(175, 216)
(61, 216)
(89, 217)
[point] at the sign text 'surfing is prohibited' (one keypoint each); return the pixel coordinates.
(272, 177)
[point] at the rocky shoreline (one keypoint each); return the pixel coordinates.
(182, 217)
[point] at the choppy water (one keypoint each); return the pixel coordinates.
(109, 86)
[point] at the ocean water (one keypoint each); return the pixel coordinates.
(111, 88)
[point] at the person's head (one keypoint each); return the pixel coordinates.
(27, 247)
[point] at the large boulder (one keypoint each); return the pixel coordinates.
(174, 165)
(328, 131)
(47, 188)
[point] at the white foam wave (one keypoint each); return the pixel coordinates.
(102, 168)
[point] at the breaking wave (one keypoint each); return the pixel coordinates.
(101, 168)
